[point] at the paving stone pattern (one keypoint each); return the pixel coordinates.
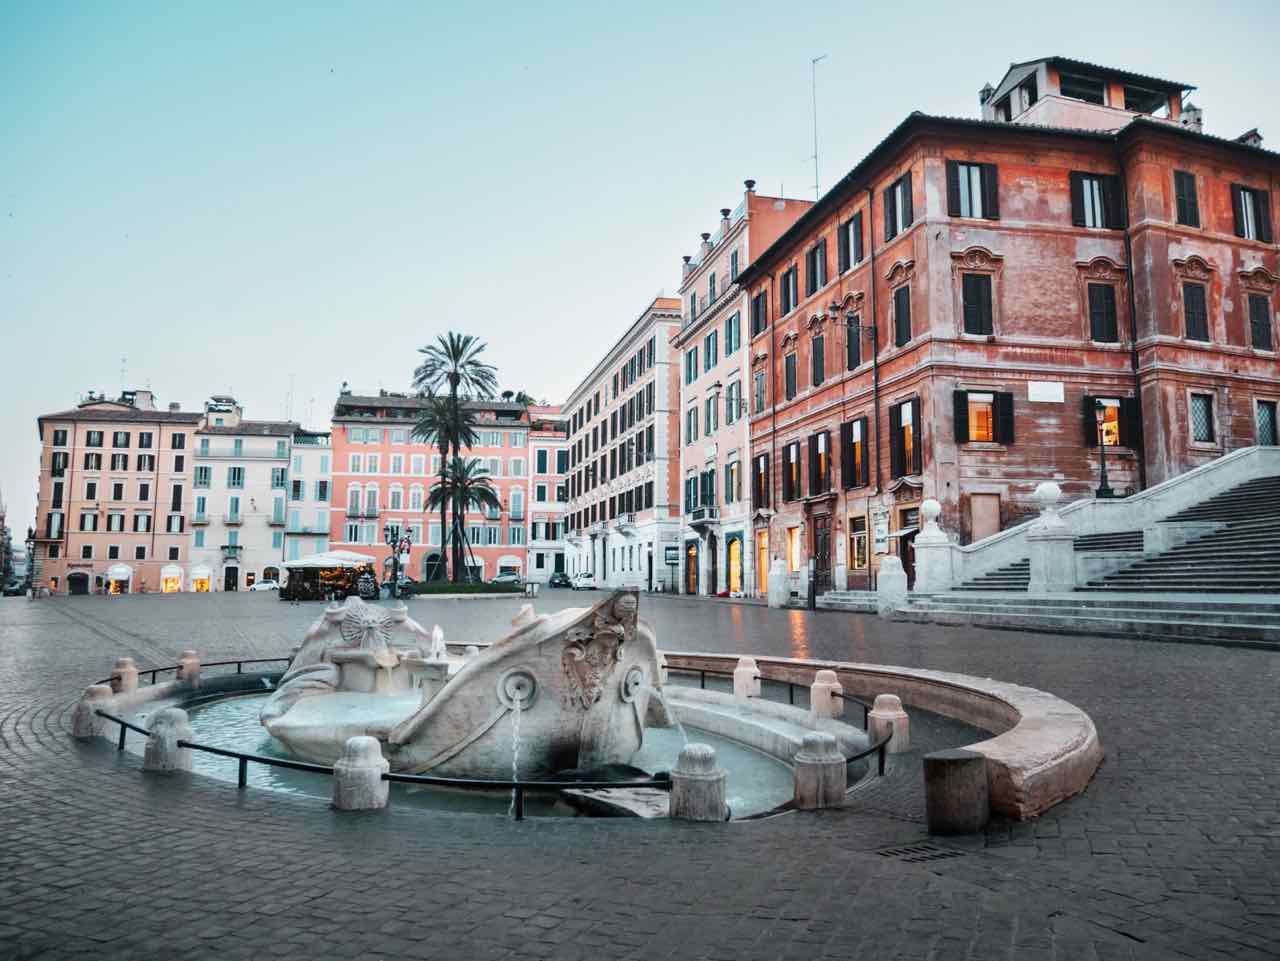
(1171, 853)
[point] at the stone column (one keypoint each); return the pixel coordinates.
(746, 679)
(885, 712)
(891, 585)
(823, 699)
(956, 794)
(357, 776)
(163, 753)
(933, 552)
(1051, 546)
(85, 723)
(777, 593)
(189, 667)
(662, 670)
(821, 776)
(698, 785)
(124, 676)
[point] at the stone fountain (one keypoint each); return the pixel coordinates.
(573, 690)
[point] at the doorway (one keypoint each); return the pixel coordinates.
(984, 515)
(733, 564)
(691, 568)
(231, 579)
(649, 552)
(78, 582)
(713, 566)
(762, 561)
(909, 520)
(822, 552)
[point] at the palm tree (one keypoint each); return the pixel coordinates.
(437, 425)
(453, 361)
(466, 485)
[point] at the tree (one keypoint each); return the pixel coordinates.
(437, 425)
(453, 362)
(465, 485)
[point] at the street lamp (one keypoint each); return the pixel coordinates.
(391, 535)
(741, 404)
(1100, 415)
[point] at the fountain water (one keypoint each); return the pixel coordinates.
(671, 717)
(515, 754)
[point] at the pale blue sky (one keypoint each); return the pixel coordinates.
(232, 196)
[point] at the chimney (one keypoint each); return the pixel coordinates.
(706, 245)
(985, 94)
(724, 220)
(1250, 138)
(174, 407)
(750, 185)
(1192, 117)
(686, 269)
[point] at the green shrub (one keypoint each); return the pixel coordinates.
(444, 587)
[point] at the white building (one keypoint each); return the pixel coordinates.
(309, 495)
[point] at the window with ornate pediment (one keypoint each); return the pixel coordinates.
(976, 289)
(899, 277)
(1259, 287)
(1101, 285)
(1194, 278)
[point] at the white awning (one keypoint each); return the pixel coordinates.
(346, 559)
(200, 572)
(904, 532)
(119, 572)
(171, 570)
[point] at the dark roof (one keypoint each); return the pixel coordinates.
(254, 428)
(134, 416)
(1173, 86)
(917, 120)
(417, 401)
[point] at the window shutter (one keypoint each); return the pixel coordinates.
(960, 415)
(990, 192)
(865, 477)
(1109, 327)
(846, 455)
(842, 248)
(1129, 426)
(1096, 309)
(953, 189)
(984, 304)
(813, 465)
(786, 473)
(1004, 418)
(1262, 213)
(767, 492)
(890, 226)
(969, 301)
(895, 440)
(907, 215)
(1180, 195)
(1077, 198)
(1089, 420)
(917, 428)
(857, 237)
(1117, 203)
(1237, 208)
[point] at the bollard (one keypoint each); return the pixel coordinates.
(357, 776)
(887, 710)
(163, 754)
(820, 773)
(957, 798)
(662, 669)
(189, 668)
(471, 651)
(746, 679)
(84, 722)
(124, 676)
(824, 700)
(891, 585)
(698, 785)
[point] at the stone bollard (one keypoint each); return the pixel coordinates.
(777, 592)
(957, 798)
(746, 679)
(163, 753)
(1051, 546)
(189, 668)
(85, 723)
(823, 699)
(357, 776)
(471, 651)
(933, 552)
(887, 710)
(662, 669)
(124, 676)
(820, 773)
(698, 785)
(891, 585)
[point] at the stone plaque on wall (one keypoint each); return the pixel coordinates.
(1045, 391)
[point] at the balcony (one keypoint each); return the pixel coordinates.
(231, 552)
(306, 529)
(703, 516)
(517, 514)
(371, 512)
(276, 520)
(199, 520)
(233, 520)
(627, 523)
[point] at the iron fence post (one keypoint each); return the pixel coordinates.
(243, 774)
(120, 744)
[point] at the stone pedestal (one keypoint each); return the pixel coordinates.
(933, 552)
(357, 776)
(85, 723)
(840, 578)
(746, 679)
(1051, 546)
(957, 799)
(662, 670)
(891, 585)
(124, 676)
(163, 753)
(698, 785)
(471, 651)
(189, 667)
(820, 773)
(777, 583)
(886, 712)
(823, 699)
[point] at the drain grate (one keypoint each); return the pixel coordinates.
(915, 853)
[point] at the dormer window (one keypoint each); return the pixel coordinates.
(1139, 100)
(1088, 89)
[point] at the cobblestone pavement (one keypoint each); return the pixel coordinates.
(1171, 853)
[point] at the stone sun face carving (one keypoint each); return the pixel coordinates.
(366, 627)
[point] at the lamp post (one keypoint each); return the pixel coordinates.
(391, 535)
(1100, 415)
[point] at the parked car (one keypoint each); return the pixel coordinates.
(507, 577)
(265, 586)
(559, 579)
(14, 589)
(584, 581)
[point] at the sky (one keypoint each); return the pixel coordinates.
(268, 200)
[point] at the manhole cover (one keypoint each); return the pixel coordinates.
(914, 853)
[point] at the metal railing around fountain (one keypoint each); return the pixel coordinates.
(154, 671)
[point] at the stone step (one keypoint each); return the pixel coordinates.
(1117, 610)
(1191, 584)
(1171, 602)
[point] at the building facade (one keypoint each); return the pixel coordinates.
(623, 511)
(241, 484)
(307, 522)
(717, 550)
(548, 492)
(382, 476)
(114, 496)
(955, 317)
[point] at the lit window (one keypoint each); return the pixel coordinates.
(981, 417)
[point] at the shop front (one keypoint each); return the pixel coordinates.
(201, 577)
(170, 579)
(733, 562)
(119, 579)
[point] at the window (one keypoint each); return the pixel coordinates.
(142, 523)
(1096, 200)
(791, 471)
(60, 437)
(91, 490)
(1197, 313)
(397, 463)
(296, 490)
(117, 491)
(88, 521)
(278, 477)
(711, 290)
(710, 420)
(204, 444)
(1251, 209)
(562, 462)
(1077, 87)
(976, 296)
(146, 462)
(971, 190)
(732, 401)
(1184, 192)
(120, 438)
(86, 552)
(733, 265)
(789, 375)
(904, 439)
(395, 500)
(815, 268)
(793, 550)
(855, 468)
(790, 291)
(818, 360)
(760, 490)
(732, 333)
(418, 465)
(144, 492)
(710, 350)
(1102, 314)
(235, 477)
(178, 441)
(1119, 416)
(691, 365)
(1260, 322)
(93, 438)
(758, 387)
(371, 464)
(732, 482)
(819, 463)
(113, 552)
(92, 461)
(897, 207)
(144, 439)
(902, 315)
(177, 524)
(178, 464)
(199, 537)
(849, 243)
(983, 417)
(1202, 427)
(58, 463)
(858, 542)
(115, 522)
(693, 305)
(119, 461)
(691, 425)
(1266, 417)
(759, 313)
(541, 461)
(354, 464)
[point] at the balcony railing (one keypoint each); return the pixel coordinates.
(517, 514)
(276, 520)
(231, 452)
(231, 550)
(305, 529)
(703, 515)
(199, 519)
(232, 519)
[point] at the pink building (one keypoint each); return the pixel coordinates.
(548, 491)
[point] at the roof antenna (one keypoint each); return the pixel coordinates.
(813, 67)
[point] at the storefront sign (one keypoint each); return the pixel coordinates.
(880, 528)
(672, 555)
